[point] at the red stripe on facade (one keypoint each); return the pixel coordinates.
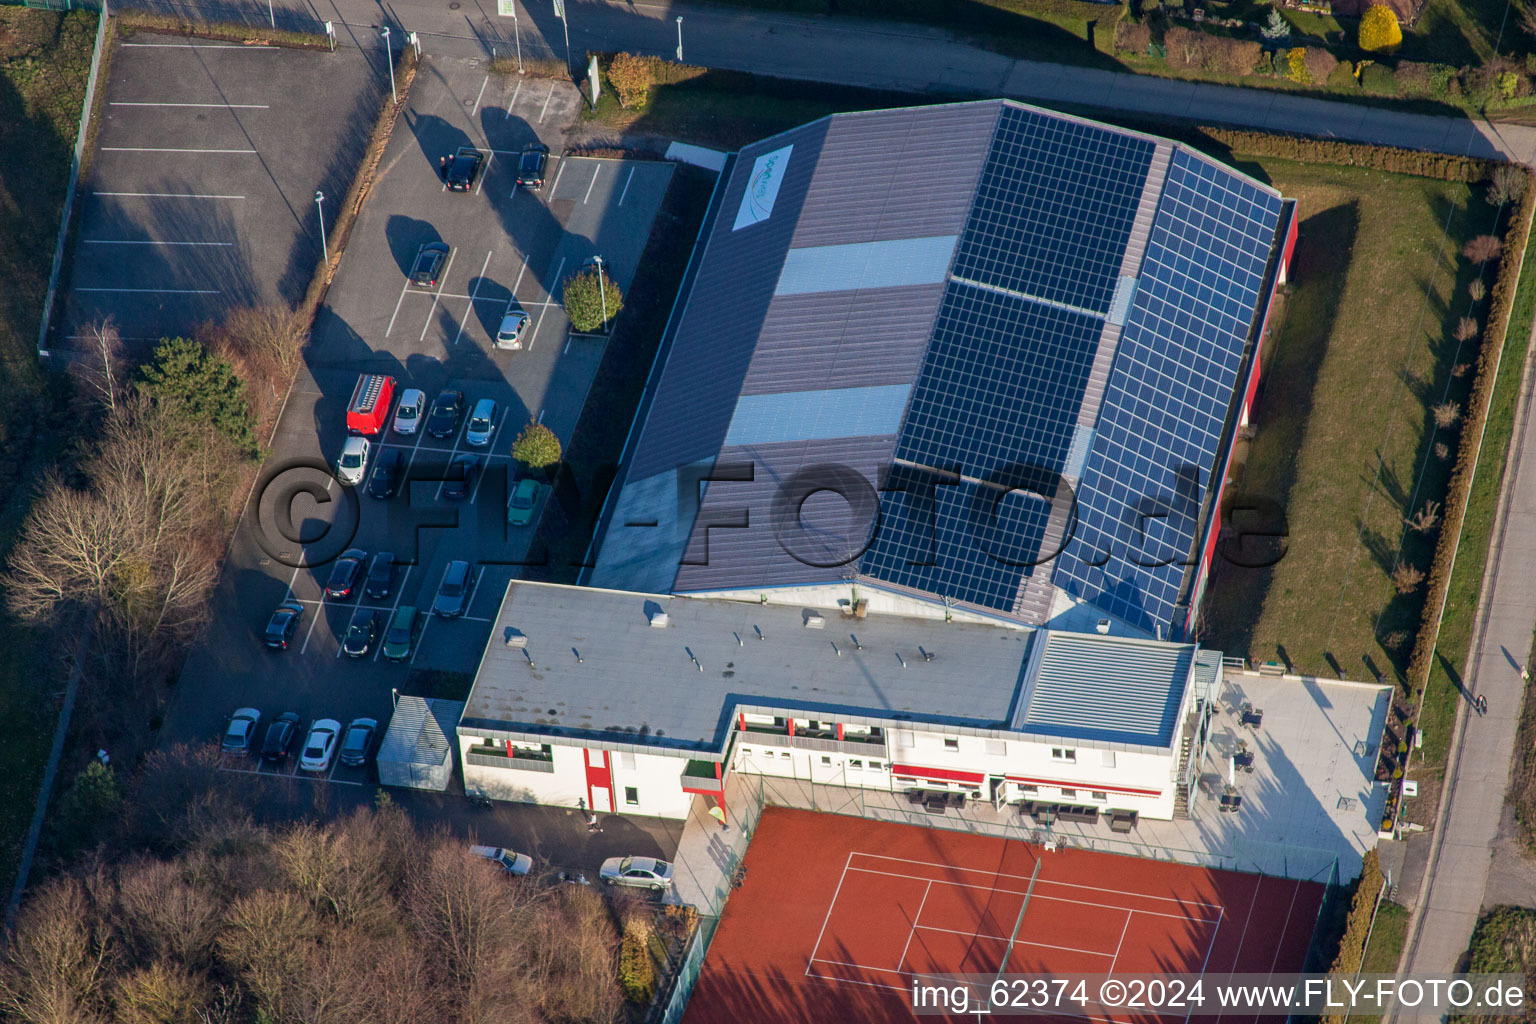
(1101, 787)
(937, 774)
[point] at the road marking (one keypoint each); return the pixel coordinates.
(454, 451)
(513, 101)
(476, 107)
(596, 170)
(421, 636)
(403, 289)
(485, 170)
(147, 149)
(143, 241)
(541, 417)
(163, 195)
(550, 290)
(475, 493)
(231, 106)
(546, 102)
(520, 274)
(533, 335)
(567, 343)
(156, 291)
(473, 292)
(198, 46)
(556, 187)
(439, 294)
(626, 186)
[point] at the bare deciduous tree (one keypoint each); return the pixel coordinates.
(1425, 519)
(1476, 289)
(266, 342)
(1482, 248)
(1460, 370)
(1446, 414)
(163, 917)
(267, 939)
(1442, 450)
(1507, 185)
(1466, 329)
(159, 994)
(1406, 578)
(99, 368)
(55, 969)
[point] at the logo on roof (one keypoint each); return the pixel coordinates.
(762, 188)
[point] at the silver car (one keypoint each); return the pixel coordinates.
(353, 462)
(481, 425)
(640, 872)
(510, 334)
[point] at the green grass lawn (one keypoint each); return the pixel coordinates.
(1387, 938)
(1343, 440)
(44, 61)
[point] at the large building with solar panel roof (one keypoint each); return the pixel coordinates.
(919, 498)
(1003, 384)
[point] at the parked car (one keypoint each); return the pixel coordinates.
(518, 864)
(346, 573)
(530, 166)
(461, 169)
(640, 872)
(387, 470)
(358, 741)
(400, 638)
(369, 408)
(361, 633)
(482, 423)
(320, 745)
(459, 479)
(413, 402)
(453, 592)
(280, 737)
(429, 265)
(522, 501)
(241, 731)
(443, 420)
(281, 626)
(353, 461)
(381, 576)
(510, 334)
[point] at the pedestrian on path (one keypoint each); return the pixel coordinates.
(1482, 705)
(718, 813)
(1525, 673)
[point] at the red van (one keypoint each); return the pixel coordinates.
(371, 399)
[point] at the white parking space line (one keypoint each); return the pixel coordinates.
(420, 637)
(546, 102)
(403, 289)
(556, 187)
(485, 170)
(495, 433)
(596, 170)
(626, 186)
(142, 241)
(541, 417)
(452, 454)
(533, 335)
(549, 289)
(399, 593)
(476, 107)
(513, 101)
(155, 291)
(163, 195)
(230, 106)
(147, 149)
(438, 295)
(473, 292)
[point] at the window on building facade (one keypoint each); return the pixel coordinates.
(1069, 794)
(951, 744)
(826, 760)
(1029, 789)
(1098, 795)
(877, 766)
(1063, 754)
(855, 763)
(631, 796)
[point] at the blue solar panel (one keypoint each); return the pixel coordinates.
(1054, 208)
(1169, 392)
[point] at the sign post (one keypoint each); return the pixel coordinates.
(595, 77)
(330, 34)
(508, 9)
(560, 13)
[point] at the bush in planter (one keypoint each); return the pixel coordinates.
(537, 446)
(587, 295)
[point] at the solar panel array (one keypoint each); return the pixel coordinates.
(1160, 425)
(1054, 208)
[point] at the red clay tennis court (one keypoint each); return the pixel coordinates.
(837, 916)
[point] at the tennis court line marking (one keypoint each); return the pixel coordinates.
(1039, 896)
(1044, 881)
(913, 930)
(1207, 961)
(832, 903)
(1019, 942)
(1288, 911)
(1115, 959)
(905, 988)
(164, 195)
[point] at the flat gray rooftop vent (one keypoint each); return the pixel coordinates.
(658, 619)
(815, 622)
(516, 637)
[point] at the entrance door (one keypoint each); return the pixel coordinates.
(599, 781)
(999, 793)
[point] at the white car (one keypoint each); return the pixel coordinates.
(518, 864)
(320, 745)
(481, 425)
(353, 461)
(640, 872)
(413, 402)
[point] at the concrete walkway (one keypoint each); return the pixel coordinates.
(1483, 747)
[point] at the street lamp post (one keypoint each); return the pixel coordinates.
(602, 288)
(517, 36)
(679, 38)
(566, 27)
(389, 64)
(325, 250)
(270, 16)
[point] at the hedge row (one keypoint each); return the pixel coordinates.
(130, 20)
(1444, 166)
(637, 970)
(1357, 926)
(1503, 297)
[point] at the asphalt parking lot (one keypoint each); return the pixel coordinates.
(201, 192)
(508, 246)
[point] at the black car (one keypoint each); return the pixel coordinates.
(461, 169)
(280, 736)
(530, 166)
(443, 420)
(347, 573)
(361, 634)
(281, 626)
(381, 576)
(459, 479)
(453, 592)
(429, 265)
(387, 469)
